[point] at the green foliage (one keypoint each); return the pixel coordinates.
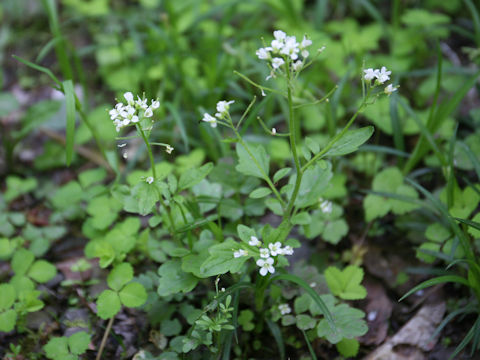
(122, 292)
(346, 283)
(389, 182)
(67, 347)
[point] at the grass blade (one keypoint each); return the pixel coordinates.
(181, 126)
(465, 340)
(310, 348)
(277, 335)
(70, 125)
(39, 68)
(435, 281)
(310, 291)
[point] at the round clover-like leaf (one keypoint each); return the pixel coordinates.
(78, 342)
(42, 271)
(7, 296)
(57, 348)
(119, 276)
(21, 261)
(8, 320)
(108, 304)
(22, 285)
(133, 295)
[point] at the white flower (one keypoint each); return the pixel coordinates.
(370, 74)
(155, 104)
(279, 35)
(291, 47)
(383, 75)
(266, 266)
(326, 206)
(276, 248)
(297, 65)
(287, 250)
(274, 131)
(129, 97)
(284, 309)
(277, 46)
(169, 149)
(240, 253)
(389, 89)
(264, 253)
(263, 93)
(254, 241)
(262, 54)
(148, 113)
(305, 53)
(277, 62)
(141, 103)
(224, 106)
(210, 119)
(305, 42)
(149, 180)
(134, 119)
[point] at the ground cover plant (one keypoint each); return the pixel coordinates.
(244, 180)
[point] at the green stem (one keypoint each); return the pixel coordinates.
(336, 137)
(293, 144)
(149, 150)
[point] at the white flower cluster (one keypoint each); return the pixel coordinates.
(284, 309)
(282, 48)
(381, 76)
(266, 255)
(126, 114)
(266, 260)
(222, 112)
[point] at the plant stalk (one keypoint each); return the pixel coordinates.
(105, 337)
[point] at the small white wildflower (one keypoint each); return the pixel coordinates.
(122, 145)
(370, 74)
(274, 131)
(240, 253)
(291, 47)
(383, 75)
(148, 113)
(155, 104)
(322, 49)
(313, 284)
(287, 250)
(222, 108)
(169, 149)
(263, 93)
(279, 35)
(305, 42)
(262, 54)
(141, 103)
(149, 180)
(222, 289)
(266, 266)
(389, 89)
(277, 46)
(264, 253)
(277, 62)
(254, 241)
(284, 309)
(297, 65)
(326, 207)
(276, 248)
(129, 97)
(125, 154)
(210, 119)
